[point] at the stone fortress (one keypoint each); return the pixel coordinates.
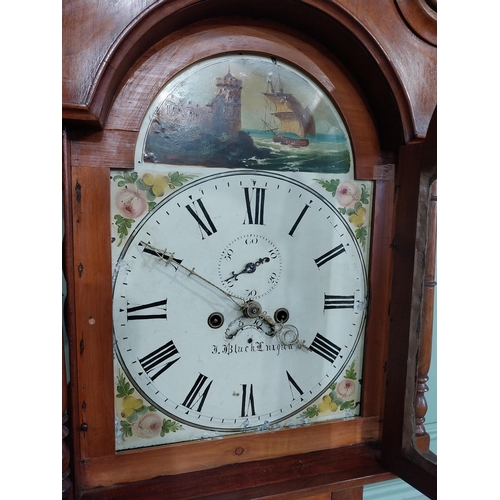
(221, 117)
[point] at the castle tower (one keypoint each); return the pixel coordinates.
(226, 106)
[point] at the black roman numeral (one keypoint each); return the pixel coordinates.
(293, 385)
(329, 255)
(206, 225)
(162, 304)
(339, 301)
(198, 393)
(247, 401)
(325, 348)
(163, 357)
(299, 218)
(255, 214)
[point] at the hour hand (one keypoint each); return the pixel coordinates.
(248, 269)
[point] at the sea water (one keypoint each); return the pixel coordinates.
(325, 153)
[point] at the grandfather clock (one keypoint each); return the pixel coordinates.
(249, 204)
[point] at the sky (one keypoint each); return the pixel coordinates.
(254, 71)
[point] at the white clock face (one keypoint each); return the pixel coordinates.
(183, 331)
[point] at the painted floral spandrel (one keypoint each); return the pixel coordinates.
(352, 198)
(137, 419)
(138, 195)
(339, 396)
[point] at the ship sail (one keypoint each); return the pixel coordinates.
(292, 116)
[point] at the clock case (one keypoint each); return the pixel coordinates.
(387, 102)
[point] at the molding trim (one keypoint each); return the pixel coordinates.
(421, 18)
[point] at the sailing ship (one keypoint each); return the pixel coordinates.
(293, 118)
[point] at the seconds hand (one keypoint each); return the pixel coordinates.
(170, 260)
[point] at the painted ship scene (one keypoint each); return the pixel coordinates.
(240, 125)
(293, 119)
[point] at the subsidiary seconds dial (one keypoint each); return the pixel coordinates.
(250, 266)
(194, 268)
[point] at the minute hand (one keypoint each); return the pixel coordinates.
(249, 268)
(168, 258)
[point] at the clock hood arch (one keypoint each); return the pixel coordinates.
(373, 149)
(356, 44)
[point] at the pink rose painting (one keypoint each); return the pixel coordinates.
(348, 194)
(148, 426)
(131, 202)
(346, 388)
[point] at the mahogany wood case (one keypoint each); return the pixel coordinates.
(377, 60)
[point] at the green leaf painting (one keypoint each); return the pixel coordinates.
(123, 387)
(351, 372)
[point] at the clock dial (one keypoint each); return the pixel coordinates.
(238, 300)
